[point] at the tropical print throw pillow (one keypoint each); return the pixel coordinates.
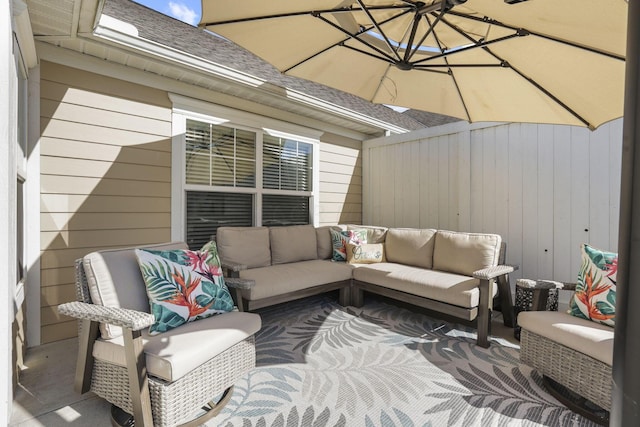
(339, 240)
(595, 295)
(183, 286)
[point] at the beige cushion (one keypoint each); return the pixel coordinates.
(173, 354)
(293, 243)
(374, 234)
(244, 245)
(410, 246)
(433, 284)
(588, 337)
(115, 280)
(323, 240)
(464, 253)
(284, 278)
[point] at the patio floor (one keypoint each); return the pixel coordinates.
(45, 395)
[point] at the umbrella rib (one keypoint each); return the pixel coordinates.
(301, 13)
(377, 26)
(385, 57)
(530, 80)
(464, 49)
(490, 21)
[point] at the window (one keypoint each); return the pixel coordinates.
(242, 175)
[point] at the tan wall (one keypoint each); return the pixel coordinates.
(340, 180)
(106, 176)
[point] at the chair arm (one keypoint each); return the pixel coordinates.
(493, 272)
(126, 318)
(233, 266)
(238, 283)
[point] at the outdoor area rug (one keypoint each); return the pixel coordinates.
(321, 364)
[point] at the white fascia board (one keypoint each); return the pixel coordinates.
(125, 34)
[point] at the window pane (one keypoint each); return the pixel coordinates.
(286, 164)
(222, 141)
(198, 168)
(222, 171)
(207, 211)
(245, 173)
(284, 210)
(219, 155)
(245, 144)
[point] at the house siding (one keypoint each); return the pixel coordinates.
(105, 176)
(340, 180)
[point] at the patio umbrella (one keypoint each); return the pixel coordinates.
(540, 61)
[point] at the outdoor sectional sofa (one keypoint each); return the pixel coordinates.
(448, 272)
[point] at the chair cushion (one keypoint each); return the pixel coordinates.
(183, 286)
(171, 355)
(340, 238)
(433, 284)
(410, 246)
(595, 295)
(114, 280)
(244, 245)
(591, 338)
(464, 253)
(293, 243)
(284, 278)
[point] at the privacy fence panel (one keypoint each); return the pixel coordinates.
(545, 188)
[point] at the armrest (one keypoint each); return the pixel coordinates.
(238, 283)
(233, 267)
(126, 318)
(493, 272)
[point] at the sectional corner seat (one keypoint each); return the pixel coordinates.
(444, 271)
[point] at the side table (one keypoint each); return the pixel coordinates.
(535, 295)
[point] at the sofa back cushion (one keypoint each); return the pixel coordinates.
(410, 246)
(464, 253)
(323, 238)
(114, 280)
(244, 245)
(293, 243)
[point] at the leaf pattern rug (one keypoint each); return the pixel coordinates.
(320, 364)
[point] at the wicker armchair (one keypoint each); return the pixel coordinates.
(184, 376)
(573, 355)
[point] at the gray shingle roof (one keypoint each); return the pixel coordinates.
(173, 33)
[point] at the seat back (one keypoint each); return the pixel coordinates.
(113, 279)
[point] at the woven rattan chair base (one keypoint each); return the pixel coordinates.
(582, 374)
(120, 418)
(174, 403)
(576, 403)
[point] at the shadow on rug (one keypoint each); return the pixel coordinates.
(320, 364)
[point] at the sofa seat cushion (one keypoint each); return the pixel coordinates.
(591, 338)
(172, 354)
(436, 285)
(284, 278)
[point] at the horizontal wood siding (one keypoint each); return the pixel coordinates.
(340, 180)
(106, 177)
(545, 188)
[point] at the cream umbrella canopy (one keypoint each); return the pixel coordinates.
(539, 61)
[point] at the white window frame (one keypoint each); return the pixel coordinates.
(188, 108)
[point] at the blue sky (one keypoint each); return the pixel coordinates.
(184, 10)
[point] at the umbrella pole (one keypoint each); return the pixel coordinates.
(625, 410)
